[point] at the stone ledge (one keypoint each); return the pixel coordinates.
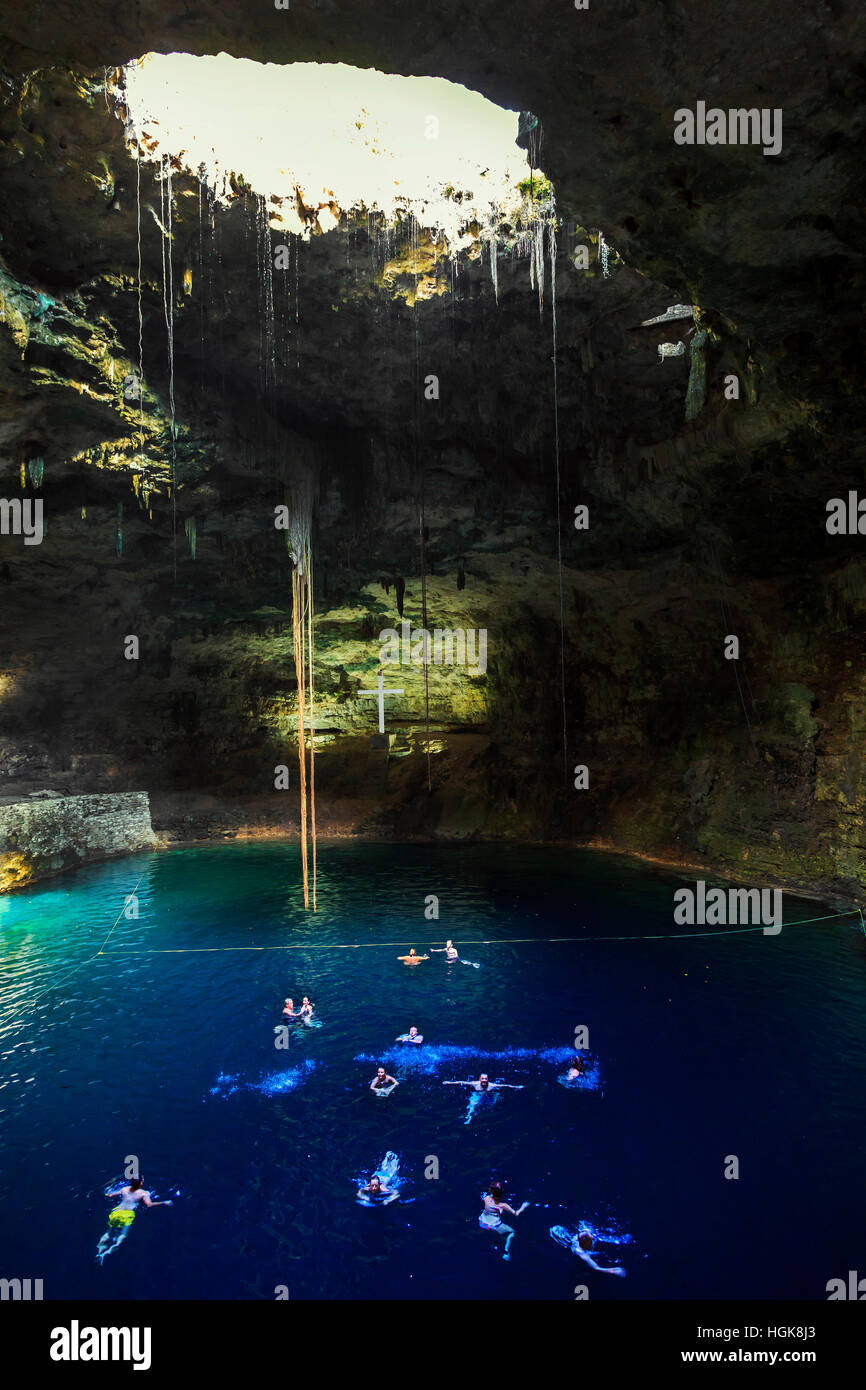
(44, 835)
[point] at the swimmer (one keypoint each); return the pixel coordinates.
(485, 1084)
(289, 1009)
(122, 1216)
(382, 1083)
(576, 1070)
(306, 1010)
(449, 948)
(412, 959)
(581, 1246)
(376, 1188)
(491, 1217)
(413, 1036)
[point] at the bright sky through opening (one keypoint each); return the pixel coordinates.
(340, 136)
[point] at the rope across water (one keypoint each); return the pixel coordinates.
(491, 941)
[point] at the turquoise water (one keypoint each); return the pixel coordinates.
(163, 1047)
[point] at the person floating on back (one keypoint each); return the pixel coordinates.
(413, 1036)
(121, 1217)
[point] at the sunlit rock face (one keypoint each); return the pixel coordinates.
(46, 834)
(697, 529)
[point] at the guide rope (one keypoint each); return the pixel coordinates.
(55, 983)
(492, 941)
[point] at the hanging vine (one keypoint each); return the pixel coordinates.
(302, 641)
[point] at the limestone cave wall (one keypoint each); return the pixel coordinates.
(699, 527)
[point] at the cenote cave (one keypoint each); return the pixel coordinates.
(432, 844)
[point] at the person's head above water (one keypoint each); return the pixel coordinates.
(380, 1071)
(136, 1183)
(584, 1240)
(411, 950)
(375, 1182)
(413, 1032)
(484, 1079)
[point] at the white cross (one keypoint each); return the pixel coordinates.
(381, 693)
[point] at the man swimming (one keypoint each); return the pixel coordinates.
(289, 1009)
(412, 959)
(581, 1246)
(485, 1084)
(376, 1188)
(382, 1083)
(449, 948)
(491, 1216)
(413, 1036)
(121, 1217)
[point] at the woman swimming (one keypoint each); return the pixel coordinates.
(306, 1011)
(375, 1188)
(121, 1217)
(382, 1083)
(491, 1217)
(449, 948)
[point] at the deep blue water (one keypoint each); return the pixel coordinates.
(739, 1045)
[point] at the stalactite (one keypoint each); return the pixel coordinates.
(697, 387)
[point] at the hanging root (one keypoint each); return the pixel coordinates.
(298, 587)
(309, 578)
(302, 637)
(300, 501)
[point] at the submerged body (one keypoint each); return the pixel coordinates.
(583, 1245)
(491, 1216)
(121, 1217)
(412, 958)
(382, 1083)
